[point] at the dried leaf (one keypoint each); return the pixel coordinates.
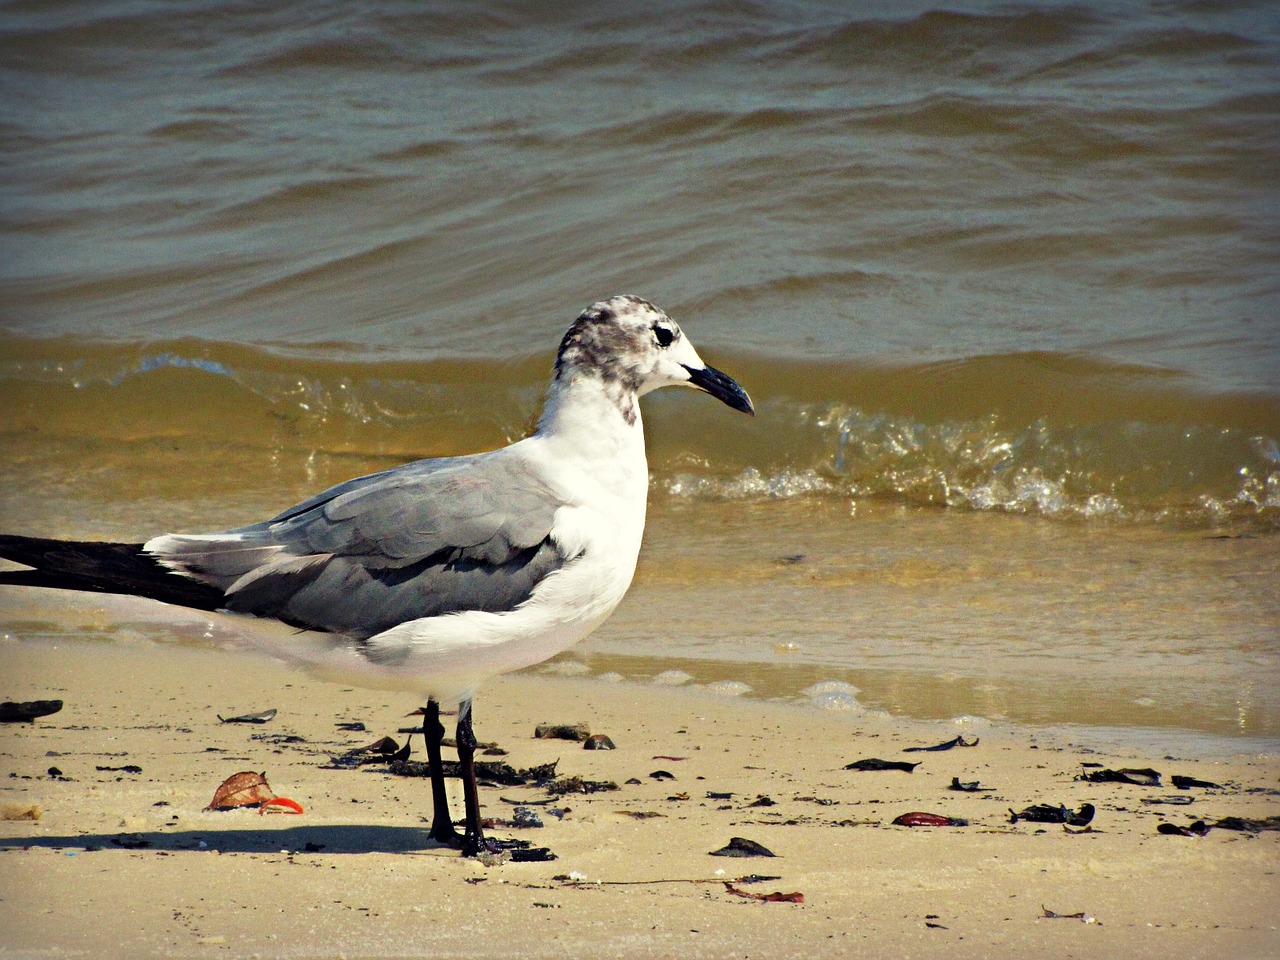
(1144, 777)
(263, 716)
(742, 847)
(764, 897)
(1083, 917)
(27, 711)
(562, 731)
(1186, 783)
(1046, 813)
(1249, 825)
(875, 764)
(247, 789)
(920, 819)
(938, 747)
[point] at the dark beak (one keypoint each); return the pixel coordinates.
(722, 387)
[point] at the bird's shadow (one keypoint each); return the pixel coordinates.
(336, 838)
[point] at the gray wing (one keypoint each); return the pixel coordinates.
(425, 539)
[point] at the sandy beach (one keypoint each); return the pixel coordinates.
(1000, 281)
(127, 863)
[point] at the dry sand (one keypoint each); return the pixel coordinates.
(126, 864)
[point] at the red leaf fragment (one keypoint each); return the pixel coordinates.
(919, 819)
(775, 897)
(290, 806)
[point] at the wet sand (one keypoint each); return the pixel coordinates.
(128, 864)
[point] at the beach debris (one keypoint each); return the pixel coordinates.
(21, 811)
(277, 739)
(662, 775)
(562, 731)
(920, 819)
(598, 741)
(965, 786)
(284, 803)
(875, 763)
(1047, 813)
(1197, 829)
(1170, 801)
(383, 750)
(719, 795)
(939, 747)
(763, 801)
(522, 818)
(513, 851)
(1144, 777)
(383, 747)
(559, 788)
(641, 814)
(577, 879)
(665, 757)
(27, 711)
(525, 818)
(1187, 783)
(1249, 825)
(351, 726)
(249, 789)
(488, 771)
(742, 847)
(1083, 917)
(131, 842)
(262, 716)
(127, 768)
(776, 897)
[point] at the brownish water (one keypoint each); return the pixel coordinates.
(1001, 279)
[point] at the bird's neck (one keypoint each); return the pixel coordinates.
(595, 419)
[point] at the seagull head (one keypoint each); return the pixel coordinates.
(635, 348)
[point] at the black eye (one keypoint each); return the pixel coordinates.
(664, 336)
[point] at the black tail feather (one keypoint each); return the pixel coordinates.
(100, 567)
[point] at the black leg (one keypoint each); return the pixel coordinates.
(441, 823)
(473, 837)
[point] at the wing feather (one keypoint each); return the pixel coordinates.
(425, 539)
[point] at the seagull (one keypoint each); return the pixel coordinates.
(436, 575)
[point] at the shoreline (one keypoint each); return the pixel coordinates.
(131, 863)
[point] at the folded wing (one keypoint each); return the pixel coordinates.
(426, 539)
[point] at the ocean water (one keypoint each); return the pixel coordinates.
(1001, 277)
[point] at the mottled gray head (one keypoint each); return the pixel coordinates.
(633, 347)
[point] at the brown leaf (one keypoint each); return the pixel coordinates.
(247, 789)
(776, 897)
